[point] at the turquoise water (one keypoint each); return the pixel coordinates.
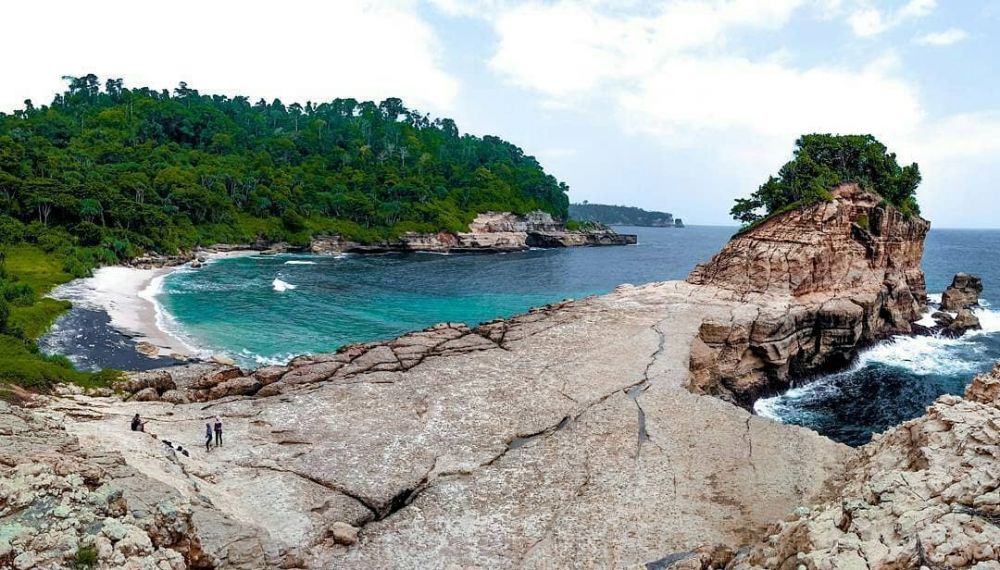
(235, 306)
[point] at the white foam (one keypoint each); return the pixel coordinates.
(989, 320)
(297, 262)
(281, 286)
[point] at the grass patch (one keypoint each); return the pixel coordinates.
(31, 314)
(34, 266)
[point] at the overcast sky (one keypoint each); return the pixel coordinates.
(676, 105)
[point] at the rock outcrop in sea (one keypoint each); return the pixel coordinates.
(580, 434)
(817, 283)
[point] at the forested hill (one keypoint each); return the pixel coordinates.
(621, 215)
(127, 169)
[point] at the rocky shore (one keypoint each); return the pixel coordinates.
(491, 232)
(590, 433)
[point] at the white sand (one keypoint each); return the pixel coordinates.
(129, 296)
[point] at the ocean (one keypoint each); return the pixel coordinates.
(897, 379)
(265, 309)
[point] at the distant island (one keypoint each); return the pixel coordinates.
(623, 216)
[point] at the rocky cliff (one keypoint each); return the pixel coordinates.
(488, 232)
(817, 283)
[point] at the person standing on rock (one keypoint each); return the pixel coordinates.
(218, 431)
(208, 437)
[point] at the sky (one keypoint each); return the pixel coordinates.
(674, 105)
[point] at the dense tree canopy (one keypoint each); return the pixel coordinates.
(620, 215)
(126, 169)
(822, 161)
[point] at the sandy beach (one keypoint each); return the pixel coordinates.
(129, 297)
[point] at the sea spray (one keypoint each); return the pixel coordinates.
(888, 382)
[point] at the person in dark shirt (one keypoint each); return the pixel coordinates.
(138, 424)
(208, 437)
(218, 431)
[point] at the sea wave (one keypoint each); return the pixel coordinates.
(298, 262)
(281, 286)
(166, 321)
(919, 356)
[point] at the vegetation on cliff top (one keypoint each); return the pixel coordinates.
(821, 162)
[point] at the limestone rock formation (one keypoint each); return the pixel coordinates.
(818, 283)
(925, 494)
(488, 232)
(963, 293)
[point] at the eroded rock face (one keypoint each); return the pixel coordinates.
(819, 283)
(925, 494)
(963, 292)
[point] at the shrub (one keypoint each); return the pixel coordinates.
(86, 558)
(11, 230)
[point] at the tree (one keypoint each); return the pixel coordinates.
(822, 161)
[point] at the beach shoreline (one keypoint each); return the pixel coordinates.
(128, 295)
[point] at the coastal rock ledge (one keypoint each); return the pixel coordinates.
(488, 232)
(578, 435)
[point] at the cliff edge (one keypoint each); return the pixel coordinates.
(823, 280)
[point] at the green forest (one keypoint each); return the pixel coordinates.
(105, 172)
(130, 169)
(621, 215)
(821, 162)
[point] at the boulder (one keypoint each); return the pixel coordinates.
(161, 380)
(942, 319)
(175, 397)
(222, 359)
(147, 349)
(216, 377)
(243, 386)
(965, 321)
(344, 533)
(962, 293)
(270, 374)
(146, 395)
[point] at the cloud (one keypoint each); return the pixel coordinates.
(568, 48)
(298, 51)
(944, 38)
(867, 21)
(670, 74)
